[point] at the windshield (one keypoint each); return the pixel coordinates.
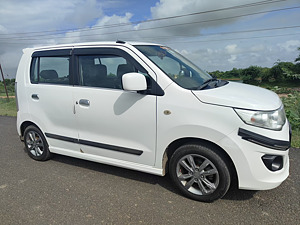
(178, 68)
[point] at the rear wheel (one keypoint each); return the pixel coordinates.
(200, 172)
(36, 144)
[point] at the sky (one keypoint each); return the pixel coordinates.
(215, 35)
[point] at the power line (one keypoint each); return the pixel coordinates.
(221, 33)
(55, 32)
(255, 30)
(233, 39)
(188, 23)
(211, 40)
(172, 25)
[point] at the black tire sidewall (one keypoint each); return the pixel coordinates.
(46, 153)
(209, 153)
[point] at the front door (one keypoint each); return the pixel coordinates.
(113, 123)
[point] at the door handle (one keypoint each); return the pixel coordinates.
(84, 102)
(35, 96)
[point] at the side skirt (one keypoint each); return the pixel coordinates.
(109, 161)
(96, 144)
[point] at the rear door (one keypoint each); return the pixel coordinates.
(113, 123)
(50, 98)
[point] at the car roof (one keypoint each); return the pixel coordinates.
(90, 44)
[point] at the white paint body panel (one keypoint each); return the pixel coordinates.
(136, 121)
(120, 118)
(240, 96)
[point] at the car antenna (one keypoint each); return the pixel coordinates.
(120, 42)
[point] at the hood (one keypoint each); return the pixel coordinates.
(240, 95)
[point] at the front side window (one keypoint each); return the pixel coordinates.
(178, 68)
(103, 71)
(50, 70)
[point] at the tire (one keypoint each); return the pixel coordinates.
(35, 144)
(199, 172)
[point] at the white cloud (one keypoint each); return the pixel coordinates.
(9, 59)
(166, 8)
(232, 59)
(35, 15)
(21, 17)
(102, 31)
(231, 49)
(290, 46)
(3, 30)
(183, 52)
(257, 48)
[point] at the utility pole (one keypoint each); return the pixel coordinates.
(4, 82)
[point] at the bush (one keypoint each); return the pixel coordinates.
(292, 109)
(10, 86)
(250, 74)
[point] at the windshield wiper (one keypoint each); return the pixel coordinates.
(206, 83)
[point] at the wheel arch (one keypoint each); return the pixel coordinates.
(24, 125)
(172, 147)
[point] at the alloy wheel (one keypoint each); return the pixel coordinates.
(197, 174)
(34, 143)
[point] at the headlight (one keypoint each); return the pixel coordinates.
(273, 120)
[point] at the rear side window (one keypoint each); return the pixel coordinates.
(50, 70)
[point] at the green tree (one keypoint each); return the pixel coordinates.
(217, 73)
(265, 74)
(250, 74)
(297, 60)
(276, 73)
(289, 71)
(284, 71)
(235, 72)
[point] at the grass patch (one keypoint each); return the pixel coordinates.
(296, 139)
(9, 94)
(8, 108)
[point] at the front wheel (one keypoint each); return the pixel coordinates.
(36, 144)
(199, 172)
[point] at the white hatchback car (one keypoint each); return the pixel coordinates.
(145, 107)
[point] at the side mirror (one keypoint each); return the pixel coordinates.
(134, 82)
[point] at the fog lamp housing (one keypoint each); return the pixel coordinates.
(273, 162)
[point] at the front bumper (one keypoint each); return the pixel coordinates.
(248, 146)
